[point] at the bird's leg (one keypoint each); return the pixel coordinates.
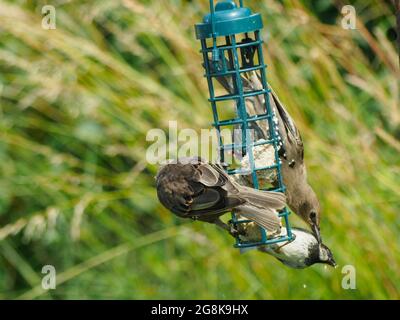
(278, 249)
(230, 228)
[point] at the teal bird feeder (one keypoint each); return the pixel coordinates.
(231, 45)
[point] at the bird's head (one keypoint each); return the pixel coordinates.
(309, 210)
(320, 253)
(325, 255)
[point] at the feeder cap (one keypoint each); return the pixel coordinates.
(228, 20)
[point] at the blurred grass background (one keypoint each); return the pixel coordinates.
(75, 189)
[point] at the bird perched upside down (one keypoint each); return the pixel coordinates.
(300, 196)
(193, 188)
(303, 251)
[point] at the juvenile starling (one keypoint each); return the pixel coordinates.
(193, 188)
(300, 196)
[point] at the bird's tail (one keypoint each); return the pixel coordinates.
(262, 207)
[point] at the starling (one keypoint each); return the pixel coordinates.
(300, 196)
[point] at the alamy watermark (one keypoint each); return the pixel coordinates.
(349, 278)
(49, 281)
(187, 143)
(349, 17)
(49, 17)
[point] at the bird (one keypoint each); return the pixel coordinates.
(301, 197)
(301, 252)
(193, 188)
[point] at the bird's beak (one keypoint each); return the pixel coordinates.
(332, 262)
(316, 232)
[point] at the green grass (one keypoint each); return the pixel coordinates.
(75, 189)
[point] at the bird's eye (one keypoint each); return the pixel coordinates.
(313, 216)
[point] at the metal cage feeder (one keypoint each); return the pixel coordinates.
(231, 45)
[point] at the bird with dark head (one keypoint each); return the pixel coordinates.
(301, 197)
(193, 188)
(303, 251)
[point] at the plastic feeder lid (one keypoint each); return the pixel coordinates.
(228, 19)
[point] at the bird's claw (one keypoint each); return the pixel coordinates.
(278, 249)
(232, 230)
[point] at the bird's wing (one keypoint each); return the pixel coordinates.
(266, 218)
(207, 200)
(210, 192)
(219, 189)
(262, 207)
(292, 134)
(211, 177)
(287, 127)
